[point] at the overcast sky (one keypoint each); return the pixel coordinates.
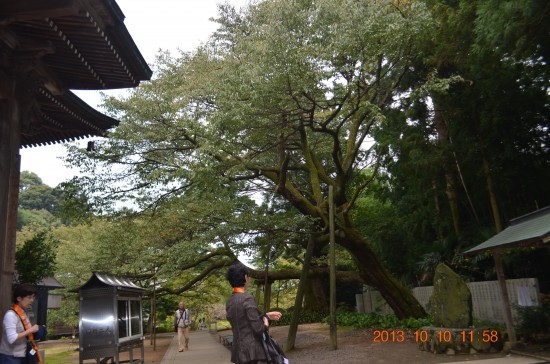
(162, 24)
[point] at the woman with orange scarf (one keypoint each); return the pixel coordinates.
(17, 329)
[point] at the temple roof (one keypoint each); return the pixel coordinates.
(58, 45)
(90, 46)
(65, 118)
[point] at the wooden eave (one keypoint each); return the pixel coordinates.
(92, 48)
(64, 118)
(48, 47)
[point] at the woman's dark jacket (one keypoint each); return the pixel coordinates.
(242, 313)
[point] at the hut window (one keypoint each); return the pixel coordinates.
(129, 317)
(122, 318)
(135, 314)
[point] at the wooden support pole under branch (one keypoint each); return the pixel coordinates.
(332, 262)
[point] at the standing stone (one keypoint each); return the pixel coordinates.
(451, 301)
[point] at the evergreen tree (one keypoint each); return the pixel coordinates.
(36, 258)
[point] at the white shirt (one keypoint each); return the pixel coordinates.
(12, 325)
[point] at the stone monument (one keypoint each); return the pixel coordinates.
(451, 309)
(451, 301)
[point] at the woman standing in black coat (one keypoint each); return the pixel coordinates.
(247, 324)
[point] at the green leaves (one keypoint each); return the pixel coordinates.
(382, 322)
(236, 143)
(518, 28)
(36, 259)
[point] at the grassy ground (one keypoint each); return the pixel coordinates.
(60, 351)
(65, 352)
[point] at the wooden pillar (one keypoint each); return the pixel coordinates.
(293, 329)
(332, 264)
(504, 297)
(258, 293)
(267, 296)
(9, 188)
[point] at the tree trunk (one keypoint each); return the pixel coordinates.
(315, 294)
(293, 329)
(437, 209)
(400, 299)
(315, 298)
(450, 185)
(267, 296)
(492, 195)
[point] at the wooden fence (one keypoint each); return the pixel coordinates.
(486, 301)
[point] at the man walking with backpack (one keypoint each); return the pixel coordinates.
(182, 322)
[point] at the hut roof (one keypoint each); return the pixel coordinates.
(100, 280)
(530, 230)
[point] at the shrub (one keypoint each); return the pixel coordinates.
(356, 320)
(306, 317)
(364, 320)
(533, 320)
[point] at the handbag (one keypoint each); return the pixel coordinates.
(41, 334)
(273, 352)
(31, 355)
